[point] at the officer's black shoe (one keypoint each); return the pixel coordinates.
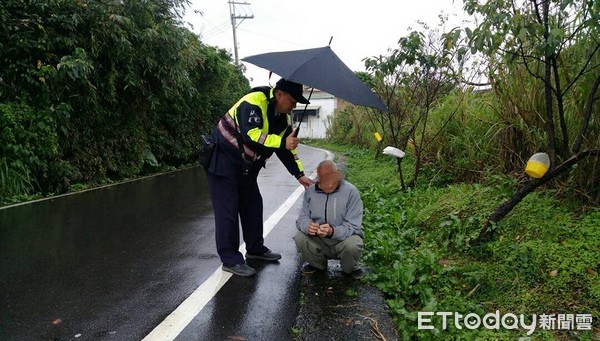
(240, 269)
(268, 256)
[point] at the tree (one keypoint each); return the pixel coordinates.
(422, 70)
(123, 86)
(557, 43)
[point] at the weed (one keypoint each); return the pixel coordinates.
(351, 292)
(296, 332)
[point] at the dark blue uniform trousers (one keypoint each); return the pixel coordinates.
(233, 198)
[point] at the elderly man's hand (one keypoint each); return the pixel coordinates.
(313, 228)
(324, 230)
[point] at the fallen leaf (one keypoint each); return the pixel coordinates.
(553, 273)
(57, 322)
(591, 271)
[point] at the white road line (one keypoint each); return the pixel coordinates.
(270, 223)
(171, 326)
(174, 324)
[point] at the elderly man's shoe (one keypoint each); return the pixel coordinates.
(308, 269)
(240, 269)
(358, 273)
(268, 256)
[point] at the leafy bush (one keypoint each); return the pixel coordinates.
(15, 180)
(29, 147)
(106, 90)
(351, 126)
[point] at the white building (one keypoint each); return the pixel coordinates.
(316, 119)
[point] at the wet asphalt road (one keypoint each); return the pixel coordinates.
(112, 263)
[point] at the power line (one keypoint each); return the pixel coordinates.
(215, 31)
(274, 38)
(217, 28)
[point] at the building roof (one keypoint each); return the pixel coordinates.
(317, 94)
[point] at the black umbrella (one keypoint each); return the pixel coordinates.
(319, 68)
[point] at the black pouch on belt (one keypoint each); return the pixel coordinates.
(207, 146)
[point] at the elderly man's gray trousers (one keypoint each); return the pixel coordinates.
(317, 250)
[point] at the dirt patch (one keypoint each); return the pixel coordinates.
(334, 306)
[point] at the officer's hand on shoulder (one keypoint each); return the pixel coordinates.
(305, 181)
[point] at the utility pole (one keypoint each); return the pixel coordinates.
(235, 24)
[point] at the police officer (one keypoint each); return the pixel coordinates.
(257, 126)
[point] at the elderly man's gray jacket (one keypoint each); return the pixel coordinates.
(342, 209)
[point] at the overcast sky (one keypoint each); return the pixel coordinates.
(359, 28)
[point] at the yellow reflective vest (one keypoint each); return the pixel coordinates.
(262, 133)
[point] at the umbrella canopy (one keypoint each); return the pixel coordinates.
(319, 68)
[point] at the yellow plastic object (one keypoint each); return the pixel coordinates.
(537, 165)
(378, 137)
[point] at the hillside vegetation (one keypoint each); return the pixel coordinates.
(99, 91)
(422, 252)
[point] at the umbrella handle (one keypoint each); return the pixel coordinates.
(304, 112)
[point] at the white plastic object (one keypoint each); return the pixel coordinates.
(393, 151)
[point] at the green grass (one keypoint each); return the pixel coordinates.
(16, 182)
(544, 258)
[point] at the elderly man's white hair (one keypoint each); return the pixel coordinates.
(327, 163)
